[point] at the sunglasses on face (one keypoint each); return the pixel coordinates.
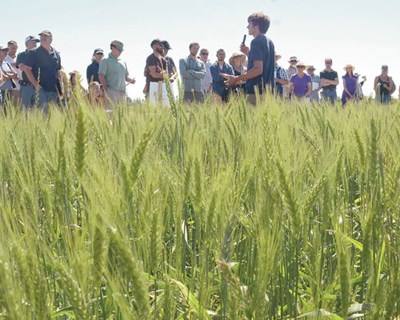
(204, 53)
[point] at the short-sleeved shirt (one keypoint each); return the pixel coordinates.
(329, 75)
(92, 72)
(154, 61)
(218, 83)
(115, 72)
(261, 49)
(21, 59)
(171, 68)
(300, 84)
(45, 67)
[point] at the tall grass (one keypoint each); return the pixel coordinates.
(282, 211)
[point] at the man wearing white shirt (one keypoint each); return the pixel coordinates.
(11, 60)
(8, 76)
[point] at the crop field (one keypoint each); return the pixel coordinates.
(283, 211)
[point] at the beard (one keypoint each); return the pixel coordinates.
(160, 50)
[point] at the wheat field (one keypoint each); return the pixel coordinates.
(283, 211)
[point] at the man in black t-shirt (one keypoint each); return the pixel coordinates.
(329, 81)
(261, 59)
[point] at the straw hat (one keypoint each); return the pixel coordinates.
(301, 64)
(349, 66)
(311, 67)
(237, 55)
(277, 56)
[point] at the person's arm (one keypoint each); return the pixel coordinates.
(376, 82)
(89, 74)
(391, 85)
(102, 75)
(127, 78)
(185, 74)
(155, 74)
(345, 88)
(27, 67)
(309, 89)
(199, 75)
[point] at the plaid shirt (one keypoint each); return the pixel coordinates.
(281, 74)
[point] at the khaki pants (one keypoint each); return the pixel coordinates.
(115, 97)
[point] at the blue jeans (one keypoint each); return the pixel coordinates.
(45, 98)
(28, 96)
(329, 95)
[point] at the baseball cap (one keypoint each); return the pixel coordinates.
(97, 51)
(3, 48)
(166, 45)
(31, 38)
(46, 33)
(118, 44)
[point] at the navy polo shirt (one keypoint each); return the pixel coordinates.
(92, 72)
(261, 49)
(45, 67)
(21, 59)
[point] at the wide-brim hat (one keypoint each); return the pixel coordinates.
(277, 56)
(301, 64)
(293, 59)
(349, 66)
(46, 33)
(237, 55)
(118, 44)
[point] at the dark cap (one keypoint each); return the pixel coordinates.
(3, 48)
(155, 41)
(46, 33)
(97, 51)
(31, 38)
(166, 45)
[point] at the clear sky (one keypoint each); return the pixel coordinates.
(360, 32)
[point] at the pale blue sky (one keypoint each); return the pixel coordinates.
(360, 32)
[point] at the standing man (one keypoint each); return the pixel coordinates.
(218, 69)
(92, 71)
(8, 77)
(329, 82)
(384, 86)
(315, 82)
(206, 82)
(11, 60)
(42, 68)
(261, 66)
(281, 77)
(171, 68)
(156, 70)
(192, 70)
(28, 93)
(113, 74)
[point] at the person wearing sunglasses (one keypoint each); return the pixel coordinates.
(206, 82)
(92, 71)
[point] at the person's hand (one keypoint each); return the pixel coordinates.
(132, 81)
(244, 49)
(37, 86)
(231, 81)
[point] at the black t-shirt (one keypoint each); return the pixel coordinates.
(159, 63)
(329, 75)
(170, 66)
(45, 67)
(262, 49)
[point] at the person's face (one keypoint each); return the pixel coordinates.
(204, 56)
(158, 48)
(45, 40)
(115, 52)
(221, 56)
(252, 29)
(301, 69)
(31, 45)
(310, 72)
(349, 70)
(328, 64)
(237, 62)
(293, 63)
(99, 56)
(385, 71)
(12, 49)
(194, 50)
(165, 52)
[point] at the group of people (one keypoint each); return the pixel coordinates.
(35, 76)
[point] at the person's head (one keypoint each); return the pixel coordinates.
(156, 46)
(194, 48)
(95, 90)
(293, 61)
(277, 58)
(258, 23)
(310, 70)
(301, 67)
(73, 78)
(328, 63)
(3, 53)
(166, 47)
(237, 60)
(204, 55)
(221, 55)
(349, 69)
(98, 55)
(385, 70)
(12, 48)
(46, 38)
(31, 42)
(116, 48)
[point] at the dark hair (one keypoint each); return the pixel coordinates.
(221, 50)
(155, 41)
(261, 20)
(193, 44)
